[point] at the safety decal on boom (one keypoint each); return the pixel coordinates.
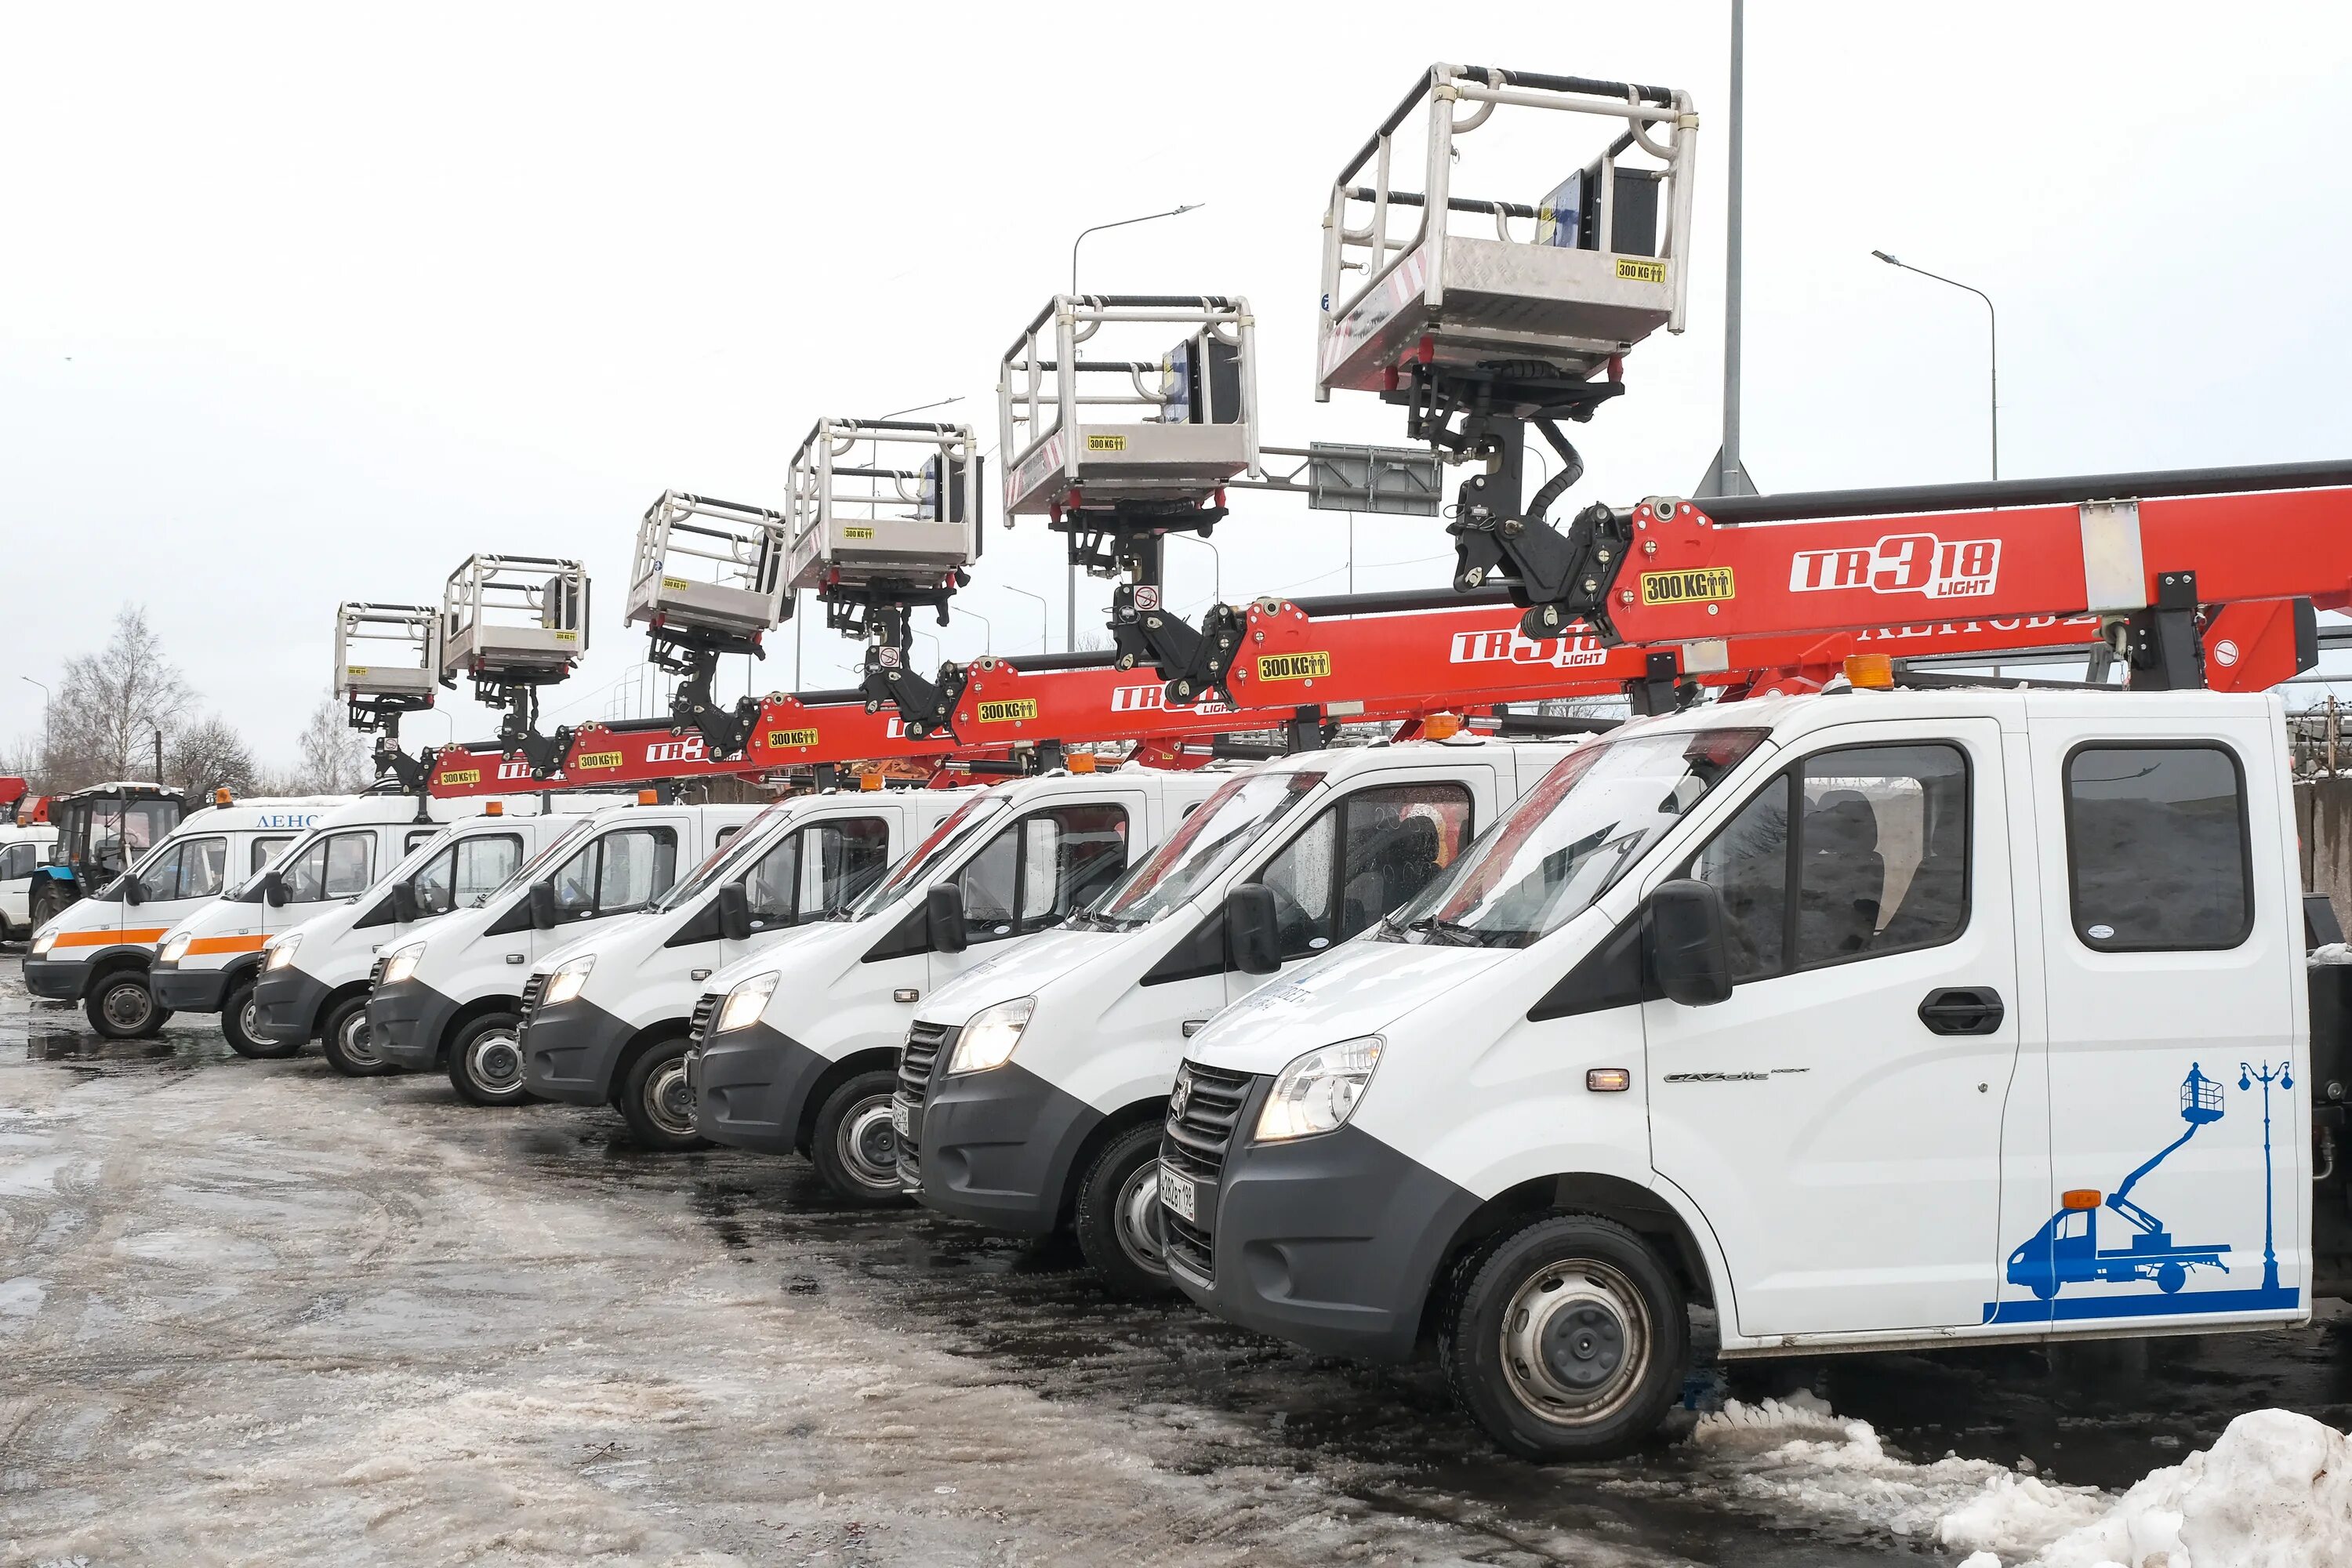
(1008, 710)
(462, 776)
(1293, 666)
(1902, 564)
(1706, 585)
(1633, 271)
(790, 740)
(1510, 646)
(586, 760)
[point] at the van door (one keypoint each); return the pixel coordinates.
(2174, 956)
(810, 873)
(1838, 1119)
(1037, 869)
(1369, 852)
(619, 872)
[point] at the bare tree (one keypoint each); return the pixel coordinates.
(209, 754)
(334, 760)
(111, 704)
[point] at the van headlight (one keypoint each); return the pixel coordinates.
(1317, 1092)
(569, 977)
(42, 943)
(281, 951)
(402, 964)
(988, 1039)
(174, 950)
(746, 1003)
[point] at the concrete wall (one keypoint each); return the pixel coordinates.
(2322, 821)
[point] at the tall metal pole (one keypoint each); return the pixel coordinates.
(1992, 322)
(1727, 471)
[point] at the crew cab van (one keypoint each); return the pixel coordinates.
(100, 950)
(605, 1019)
(451, 995)
(1031, 1089)
(1871, 1020)
(208, 960)
(24, 851)
(313, 983)
(796, 1049)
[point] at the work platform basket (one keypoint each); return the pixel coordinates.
(391, 652)
(518, 620)
(709, 566)
(883, 500)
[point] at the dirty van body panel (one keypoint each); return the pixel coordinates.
(288, 1002)
(407, 1023)
(753, 1087)
(572, 1051)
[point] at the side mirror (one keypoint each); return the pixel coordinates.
(1250, 923)
(403, 903)
(542, 905)
(134, 892)
(1689, 943)
(943, 917)
(734, 912)
(273, 890)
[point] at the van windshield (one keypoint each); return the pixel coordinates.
(723, 861)
(1208, 840)
(1569, 838)
(917, 864)
(573, 831)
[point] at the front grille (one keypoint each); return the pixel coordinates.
(926, 1043)
(375, 974)
(534, 990)
(706, 1008)
(1195, 1143)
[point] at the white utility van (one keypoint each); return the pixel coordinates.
(1031, 1089)
(23, 850)
(208, 961)
(1869, 1019)
(605, 1019)
(452, 995)
(100, 950)
(796, 1049)
(313, 983)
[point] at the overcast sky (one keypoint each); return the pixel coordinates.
(305, 304)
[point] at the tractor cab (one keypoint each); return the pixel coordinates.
(102, 830)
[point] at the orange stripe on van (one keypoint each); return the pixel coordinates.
(226, 944)
(147, 937)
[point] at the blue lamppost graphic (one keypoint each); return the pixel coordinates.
(2247, 1078)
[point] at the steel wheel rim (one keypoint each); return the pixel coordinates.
(868, 1144)
(1142, 1233)
(126, 1006)
(494, 1061)
(248, 1017)
(351, 1039)
(1575, 1341)
(670, 1105)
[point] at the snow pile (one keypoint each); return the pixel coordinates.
(1798, 1455)
(2275, 1492)
(2326, 953)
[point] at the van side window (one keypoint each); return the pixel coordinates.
(340, 866)
(1033, 873)
(160, 877)
(202, 863)
(416, 836)
(839, 860)
(458, 875)
(263, 851)
(1854, 853)
(1362, 858)
(617, 872)
(16, 862)
(2157, 854)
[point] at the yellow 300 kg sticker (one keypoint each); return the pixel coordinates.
(1702, 584)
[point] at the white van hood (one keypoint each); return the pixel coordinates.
(1027, 966)
(1361, 988)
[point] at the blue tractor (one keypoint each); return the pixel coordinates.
(101, 831)
(2066, 1251)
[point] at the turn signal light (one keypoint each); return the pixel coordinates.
(648, 798)
(869, 780)
(1081, 761)
(2081, 1198)
(1870, 671)
(1608, 1081)
(1441, 726)
(495, 809)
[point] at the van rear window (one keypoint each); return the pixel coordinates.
(2156, 848)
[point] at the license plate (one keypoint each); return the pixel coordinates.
(1178, 1191)
(899, 1118)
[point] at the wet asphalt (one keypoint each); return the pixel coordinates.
(1386, 1438)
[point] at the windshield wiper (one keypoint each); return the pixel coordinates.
(1448, 933)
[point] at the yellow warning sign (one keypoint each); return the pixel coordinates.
(587, 759)
(1106, 443)
(779, 740)
(567, 636)
(677, 585)
(1704, 586)
(1633, 271)
(856, 534)
(462, 775)
(1293, 666)
(1008, 710)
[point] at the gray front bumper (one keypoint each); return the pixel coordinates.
(406, 1024)
(571, 1051)
(752, 1086)
(286, 1005)
(188, 990)
(996, 1147)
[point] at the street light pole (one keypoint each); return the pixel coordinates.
(1992, 320)
(45, 718)
(1070, 607)
(1044, 614)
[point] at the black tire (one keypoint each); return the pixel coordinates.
(853, 1144)
(1569, 1342)
(1118, 1221)
(655, 1101)
(486, 1061)
(236, 1022)
(121, 1007)
(43, 903)
(343, 1040)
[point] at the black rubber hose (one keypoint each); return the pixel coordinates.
(1572, 468)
